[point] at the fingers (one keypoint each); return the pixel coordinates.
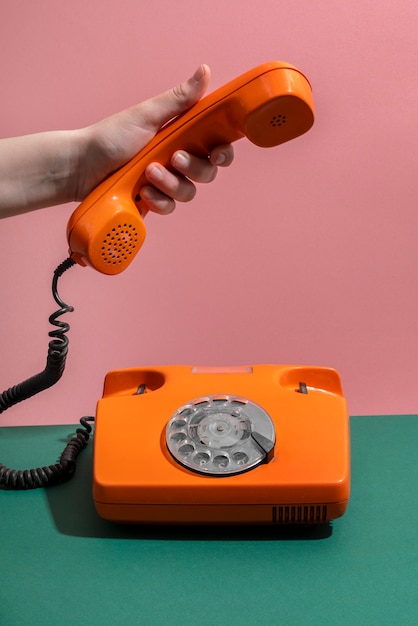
(203, 170)
(162, 108)
(197, 169)
(169, 187)
(222, 156)
(177, 184)
(156, 201)
(171, 184)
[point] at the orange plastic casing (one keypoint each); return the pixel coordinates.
(270, 104)
(307, 481)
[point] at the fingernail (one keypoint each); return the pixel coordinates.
(181, 160)
(155, 172)
(199, 73)
(221, 158)
(147, 193)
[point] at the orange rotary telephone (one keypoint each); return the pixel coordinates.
(265, 444)
(269, 105)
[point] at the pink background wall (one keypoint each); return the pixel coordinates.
(306, 253)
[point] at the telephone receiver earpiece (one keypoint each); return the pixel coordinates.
(269, 105)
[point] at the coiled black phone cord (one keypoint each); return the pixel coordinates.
(49, 475)
(54, 368)
(57, 352)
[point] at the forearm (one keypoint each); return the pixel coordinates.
(38, 170)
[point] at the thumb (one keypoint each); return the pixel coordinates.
(162, 108)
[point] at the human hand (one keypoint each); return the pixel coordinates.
(56, 167)
(115, 140)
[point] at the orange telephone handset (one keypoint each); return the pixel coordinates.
(270, 105)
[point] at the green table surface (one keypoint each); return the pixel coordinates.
(61, 564)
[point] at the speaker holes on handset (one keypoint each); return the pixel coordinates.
(278, 120)
(119, 244)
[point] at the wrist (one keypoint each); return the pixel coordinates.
(91, 161)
